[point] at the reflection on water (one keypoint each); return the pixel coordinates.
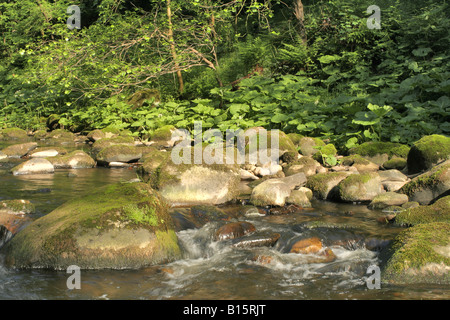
(216, 270)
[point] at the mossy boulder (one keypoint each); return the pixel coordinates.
(427, 152)
(77, 159)
(379, 152)
(120, 226)
(13, 134)
(306, 145)
(324, 185)
(19, 150)
(191, 181)
(106, 142)
(429, 185)
(420, 255)
(107, 132)
(119, 153)
(438, 211)
(362, 187)
(307, 165)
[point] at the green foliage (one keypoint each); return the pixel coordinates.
(339, 80)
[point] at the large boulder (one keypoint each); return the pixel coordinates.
(429, 185)
(33, 166)
(120, 226)
(274, 192)
(183, 179)
(106, 142)
(360, 187)
(427, 152)
(307, 145)
(420, 255)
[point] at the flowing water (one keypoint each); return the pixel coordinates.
(216, 270)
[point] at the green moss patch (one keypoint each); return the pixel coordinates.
(418, 257)
(439, 211)
(371, 149)
(427, 152)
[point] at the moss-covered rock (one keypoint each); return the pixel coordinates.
(106, 142)
(14, 214)
(324, 185)
(306, 145)
(420, 255)
(429, 185)
(119, 153)
(295, 138)
(307, 165)
(61, 135)
(19, 150)
(427, 152)
(13, 134)
(438, 211)
(190, 181)
(380, 152)
(362, 187)
(328, 150)
(125, 225)
(77, 159)
(300, 198)
(395, 163)
(360, 163)
(261, 143)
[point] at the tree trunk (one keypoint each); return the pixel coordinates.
(173, 49)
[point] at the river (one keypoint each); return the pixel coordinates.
(216, 270)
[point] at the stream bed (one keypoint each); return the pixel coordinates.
(217, 270)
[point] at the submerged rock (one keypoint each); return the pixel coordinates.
(234, 230)
(125, 225)
(257, 239)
